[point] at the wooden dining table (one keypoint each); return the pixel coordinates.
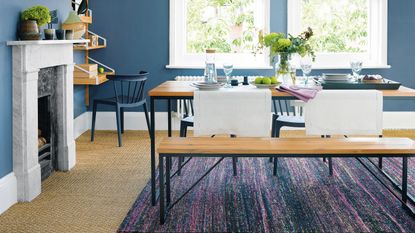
(181, 90)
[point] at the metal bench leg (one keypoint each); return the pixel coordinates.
(161, 184)
(330, 166)
(275, 166)
(234, 160)
(405, 179)
(179, 166)
(380, 162)
(235, 170)
(324, 158)
(168, 168)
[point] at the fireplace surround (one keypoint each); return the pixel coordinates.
(28, 58)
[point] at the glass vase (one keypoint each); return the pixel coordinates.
(284, 69)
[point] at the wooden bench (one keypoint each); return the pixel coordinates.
(279, 148)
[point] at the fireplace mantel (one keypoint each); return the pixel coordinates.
(28, 58)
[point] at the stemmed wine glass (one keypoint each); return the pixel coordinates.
(306, 64)
(227, 69)
(356, 66)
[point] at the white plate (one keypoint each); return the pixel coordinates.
(207, 86)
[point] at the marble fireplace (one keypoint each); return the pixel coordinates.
(29, 57)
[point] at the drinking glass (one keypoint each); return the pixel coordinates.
(306, 64)
(227, 69)
(356, 66)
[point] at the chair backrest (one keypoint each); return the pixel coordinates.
(129, 89)
(287, 108)
(188, 108)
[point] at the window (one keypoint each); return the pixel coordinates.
(343, 30)
(229, 26)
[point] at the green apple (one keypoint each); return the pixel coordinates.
(266, 81)
(274, 80)
(258, 80)
(101, 70)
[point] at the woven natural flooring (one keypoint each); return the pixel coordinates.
(97, 194)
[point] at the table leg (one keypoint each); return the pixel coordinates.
(405, 179)
(169, 117)
(161, 184)
(169, 128)
(153, 151)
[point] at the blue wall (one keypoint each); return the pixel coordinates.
(8, 23)
(138, 38)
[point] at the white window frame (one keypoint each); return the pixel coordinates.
(376, 57)
(180, 59)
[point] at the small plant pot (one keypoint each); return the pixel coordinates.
(69, 34)
(49, 34)
(60, 34)
(29, 30)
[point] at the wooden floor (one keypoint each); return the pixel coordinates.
(97, 194)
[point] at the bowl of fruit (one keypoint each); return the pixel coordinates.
(265, 82)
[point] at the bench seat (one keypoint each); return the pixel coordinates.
(287, 146)
(279, 148)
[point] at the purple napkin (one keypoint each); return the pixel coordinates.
(302, 93)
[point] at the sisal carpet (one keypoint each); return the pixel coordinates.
(97, 194)
(302, 198)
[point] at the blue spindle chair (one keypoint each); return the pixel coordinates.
(128, 93)
(285, 115)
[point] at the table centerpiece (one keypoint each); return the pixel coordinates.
(282, 48)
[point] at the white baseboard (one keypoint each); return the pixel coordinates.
(8, 192)
(137, 121)
(81, 124)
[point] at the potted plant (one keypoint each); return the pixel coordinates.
(31, 20)
(282, 48)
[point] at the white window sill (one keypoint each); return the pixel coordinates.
(270, 67)
(259, 67)
(348, 67)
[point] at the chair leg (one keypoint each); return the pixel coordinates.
(118, 114)
(122, 120)
(324, 158)
(146, 115)
(182, 130)
(94, 117)
(274, 120)
(276, 128)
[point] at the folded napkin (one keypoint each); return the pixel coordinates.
(242, 111)
(302, 93)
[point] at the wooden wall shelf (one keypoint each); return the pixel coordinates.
(85, 48)
(102, 78)
(86, 19)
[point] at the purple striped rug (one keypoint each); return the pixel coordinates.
(301, 198)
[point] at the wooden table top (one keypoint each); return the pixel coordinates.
(183, 89)
(285, 146)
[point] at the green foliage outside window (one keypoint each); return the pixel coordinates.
(225, 25)
(338, 25)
